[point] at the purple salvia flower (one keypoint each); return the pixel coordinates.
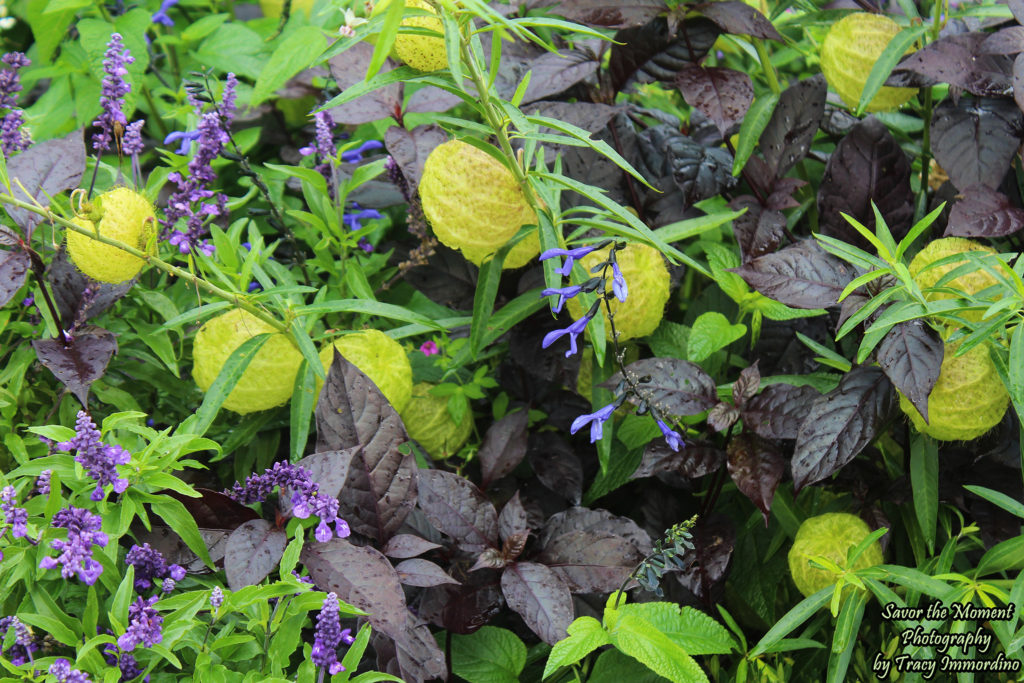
(328, 636)
(563, 293)
(161, 17)
(365, 245)
(619, 287)
(324, 149)
(28, 300)
(130, 669)
(302, 579)
(43, 482)
(168, 585)
(145, 625)
(574, 331)
(15, 516)
(115, 65)
(216, 598)
(62, 670)
(12, 137)
(673, 439)
(354, 156)
(76, 552)
(132, 142)
(571, 255)
(24, 644)
(596, 421)
(99, 459)
(150, 564)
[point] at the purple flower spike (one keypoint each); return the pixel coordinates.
(563, 294)
(24, 644)
(673, 439)
(619, 287)
(571, 255)
(328, 635)
(62, 670)
(150, 564)
(76, 552)
(99, 459)
(595, 420)
(43, 482)
(115, 66)
(145, 625)
(15, 516)
(574, 331)
(12, 138)
(216, 598)
(132, 142)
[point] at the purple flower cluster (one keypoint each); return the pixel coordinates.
(216, 598)
(15, 516)
(324, 149)
(194, 201)
(99, 459)
(24, 643)
(329, 635)
(76, 552)
(145, 625)
(115, 66)
(43, 482)
(65, 674)
(12, 137)
(125, 661)
(150, 564)
(306, 499)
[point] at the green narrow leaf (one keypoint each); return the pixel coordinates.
(758, 116)
(123, 596)
(226, 380)
(1008, 555)
(303, 401)
(803, 611)
(924, 481)
(483, 302)
(177, 517)
(845, 638)
(369, 308)
(293, 55)
(1002, 500)
(891, 56)
(386, 39)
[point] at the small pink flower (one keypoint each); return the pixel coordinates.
(429, 348)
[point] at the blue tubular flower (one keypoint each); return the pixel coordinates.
(354, 156)
(570, 256)
(354, 220)
(574, 331)
(563, 294)
(186, 138)
(160, 16)
(596, 421)
(673, 439)
(619, 287)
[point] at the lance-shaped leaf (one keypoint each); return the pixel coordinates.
(456, 507)
(504, 446)
(362, 577)
(419, 656)
(739, 18)
(14, 265)
(911, 356)
(410, 149)
(673, 386)
(779, 410)
(724, 95)
(841, 423)
(591, 561)
(79, 362)
(975, 141)
(403, 546)
(695, 460)
(540, 597)
(756, 466)
(45, 169)
(1018, 81)
(759, 230)
(253, 551)
(788, 135)
(961, 60)
(867, 166)
(380, 488)
(652, 53)
(69, 286)
(555, 72)
(422, 573)
(803, 275)
(714, 539)
(983, 212)
(513, 520)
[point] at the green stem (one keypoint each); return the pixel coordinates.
(155, 115)
(235, 298)
(766, 65)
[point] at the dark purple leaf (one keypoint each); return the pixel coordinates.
(699, 171)
(779, 410)
(724, 95)
(983, 212)
(788, 135)
(803, 275)
(419, 656)
(590, 117)
(781, 196)
(253, 551)
(80, 362)
(1017, 9)
(513, 519)
(911, 356)
(540, 597)
(676, 387)
(695, 460)
(69, 286)
(1018, 81)
(1007, 41)
(652, 53)
(429, 99)
(867, 166)
(14, 267)
(595, 521)
(607, 13)
(555, 72)
(459, 509)
(45, 169)
(380, 488)
(756, 466)
(463, 608)
(591, 561)
(447, 278)
(403, 546)
(410, 149)
(975, 140)
(841, 423)
(739, 18)
(348, 69)
(959, 60)
(422, 573)
(759, 230)
(747, 385)
(723, 416)
(329, 469)
(714, 539)
(557, 467)
(360, 576)
(504, 446)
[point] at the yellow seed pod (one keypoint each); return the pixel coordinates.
(380, 358)
(121, 214)
(423, 53)
(851, 48)
(970, 283)
(274, 8)
(830, 536)
(427, 420)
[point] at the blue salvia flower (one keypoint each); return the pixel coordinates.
(84, 531)
(115, 66)
(563, 293)
(574, 331)
(673, 439)
(619, 287)
(595, 420)
(15, 516)
(24, 644)
(145, 625)
(186, 139)
(329, 635)
(216, 598)
(354, 156)
(161, 17)
(12, 137)
(571, 255)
